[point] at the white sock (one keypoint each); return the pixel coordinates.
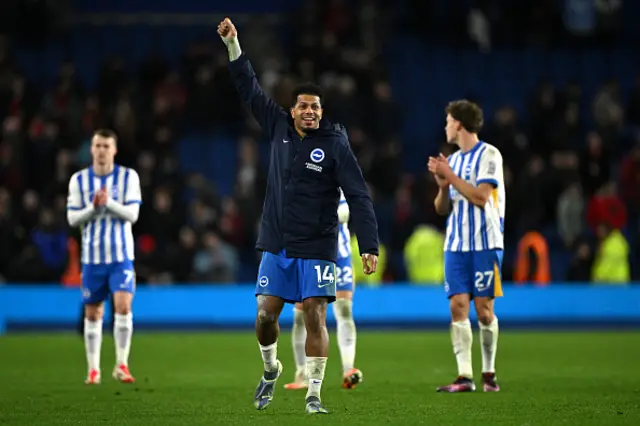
(346, 329)
(299, 339)
(315, 373)
(462, 339)
(93, 342)
(270, 356)
(489, 343)
(122, 332)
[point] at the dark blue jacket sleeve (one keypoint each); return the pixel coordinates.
(263, 108)
(350, 179)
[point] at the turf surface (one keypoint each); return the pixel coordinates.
(209, 379)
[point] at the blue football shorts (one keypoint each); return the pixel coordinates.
(295, 279)
(344, 275)
(100, 280)
(478, 273)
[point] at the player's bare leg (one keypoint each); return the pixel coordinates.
(346, 330)
(462, 339)
(489, 331)
(317, 349)
(298, 341)
(93, 314)
(267, 331)
(122, 333)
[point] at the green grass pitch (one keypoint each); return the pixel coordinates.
(209, 379)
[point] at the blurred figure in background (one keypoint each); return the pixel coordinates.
(424, 256)
(215, 261)
(611, 265)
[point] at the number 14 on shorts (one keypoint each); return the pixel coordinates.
(325, 274)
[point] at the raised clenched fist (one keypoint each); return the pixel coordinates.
(227, 30)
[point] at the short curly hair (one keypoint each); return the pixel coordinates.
(468, 113)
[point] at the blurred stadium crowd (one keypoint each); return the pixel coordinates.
(572, 179)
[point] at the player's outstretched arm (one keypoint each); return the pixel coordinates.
(77, 212)
(355, 190)
(130, 209)
(263, 108)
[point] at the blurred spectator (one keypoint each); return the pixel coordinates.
(384, 174)
(231, 224)
(564, 166)
(19, 100)
(606, 208)
(630, 180)
(204, 104)
(611, 265)
(479, 29)
(506, 134)
(40, 152)
(162, 221)
(215, 261)
(9, 235)
(386, 117)
(581, 263)
(423, 256)
(633, 105)
(527, 200)
(595, 166)
(28, 213)
(570, 213)
(50, 241)
(543, 112)
(251, 176)
(181, 259)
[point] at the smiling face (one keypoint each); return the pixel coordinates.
(306, 113)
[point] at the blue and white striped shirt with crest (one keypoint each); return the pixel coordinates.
(472, 228)
(106, 237)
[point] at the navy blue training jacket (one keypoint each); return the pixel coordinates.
(305, 174)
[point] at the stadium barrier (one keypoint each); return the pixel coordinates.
(389, 306)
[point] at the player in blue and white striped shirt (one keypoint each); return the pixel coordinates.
(472, 193)
(342, 309)
(104, 201)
